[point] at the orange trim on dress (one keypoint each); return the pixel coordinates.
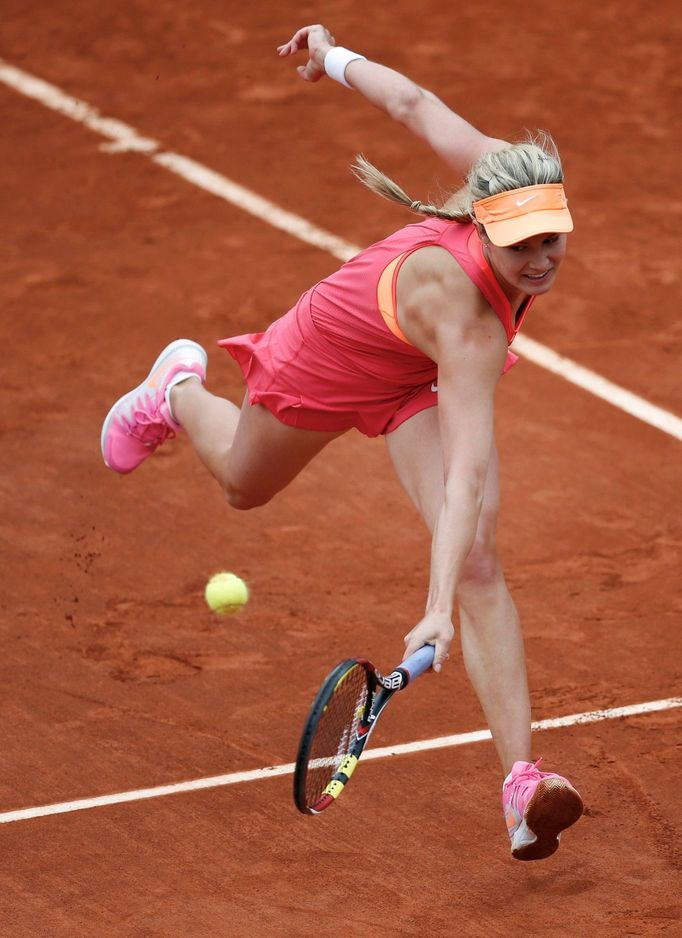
(387, 299)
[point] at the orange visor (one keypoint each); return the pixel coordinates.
(513, 216)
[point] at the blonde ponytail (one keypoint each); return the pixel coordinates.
(378, 182)
(535, 161)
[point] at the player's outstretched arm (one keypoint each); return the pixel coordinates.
(466, 427)
(470, 350)
(455, 140)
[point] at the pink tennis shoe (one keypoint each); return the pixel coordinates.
(142, 419)
(537, 807)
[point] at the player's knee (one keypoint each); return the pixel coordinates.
(244, 500)
(482, 566)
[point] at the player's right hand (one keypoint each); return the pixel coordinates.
(319, 41)
(436, 629)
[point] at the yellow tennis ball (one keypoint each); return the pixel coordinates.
(226, 593)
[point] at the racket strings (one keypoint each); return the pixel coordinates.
(336, 730)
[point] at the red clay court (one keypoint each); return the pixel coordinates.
(116, 678)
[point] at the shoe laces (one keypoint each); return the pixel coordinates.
(529, 774)
(148, 425)
(515, 792)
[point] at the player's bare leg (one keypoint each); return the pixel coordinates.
(251, 453)
(493, 651)
(248, 450)
(492, 643)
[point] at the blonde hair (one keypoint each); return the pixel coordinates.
(533, 162)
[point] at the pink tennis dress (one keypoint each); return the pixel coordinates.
(338, 359)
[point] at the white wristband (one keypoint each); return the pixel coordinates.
(337, 60)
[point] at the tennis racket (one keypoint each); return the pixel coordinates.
(340, 722)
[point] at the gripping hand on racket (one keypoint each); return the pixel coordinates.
(436, 629)
(318, 41)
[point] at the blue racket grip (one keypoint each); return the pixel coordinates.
(418, 662)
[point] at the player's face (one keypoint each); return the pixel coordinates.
(528, 267)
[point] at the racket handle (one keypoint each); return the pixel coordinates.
(418, 662)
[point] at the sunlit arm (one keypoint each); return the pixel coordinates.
(456, 141)
(462, 334)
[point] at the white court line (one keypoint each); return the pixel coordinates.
(274, 771)
(600, 387)
(124, 138)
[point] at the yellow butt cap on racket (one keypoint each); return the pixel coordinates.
(336, 786)
(334, 789)
(347, 767)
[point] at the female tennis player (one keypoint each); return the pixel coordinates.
(408, 341)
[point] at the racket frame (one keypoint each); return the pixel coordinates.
(380, 690)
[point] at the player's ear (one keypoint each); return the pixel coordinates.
(481, 232)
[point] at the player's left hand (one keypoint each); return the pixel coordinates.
(319, 41)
